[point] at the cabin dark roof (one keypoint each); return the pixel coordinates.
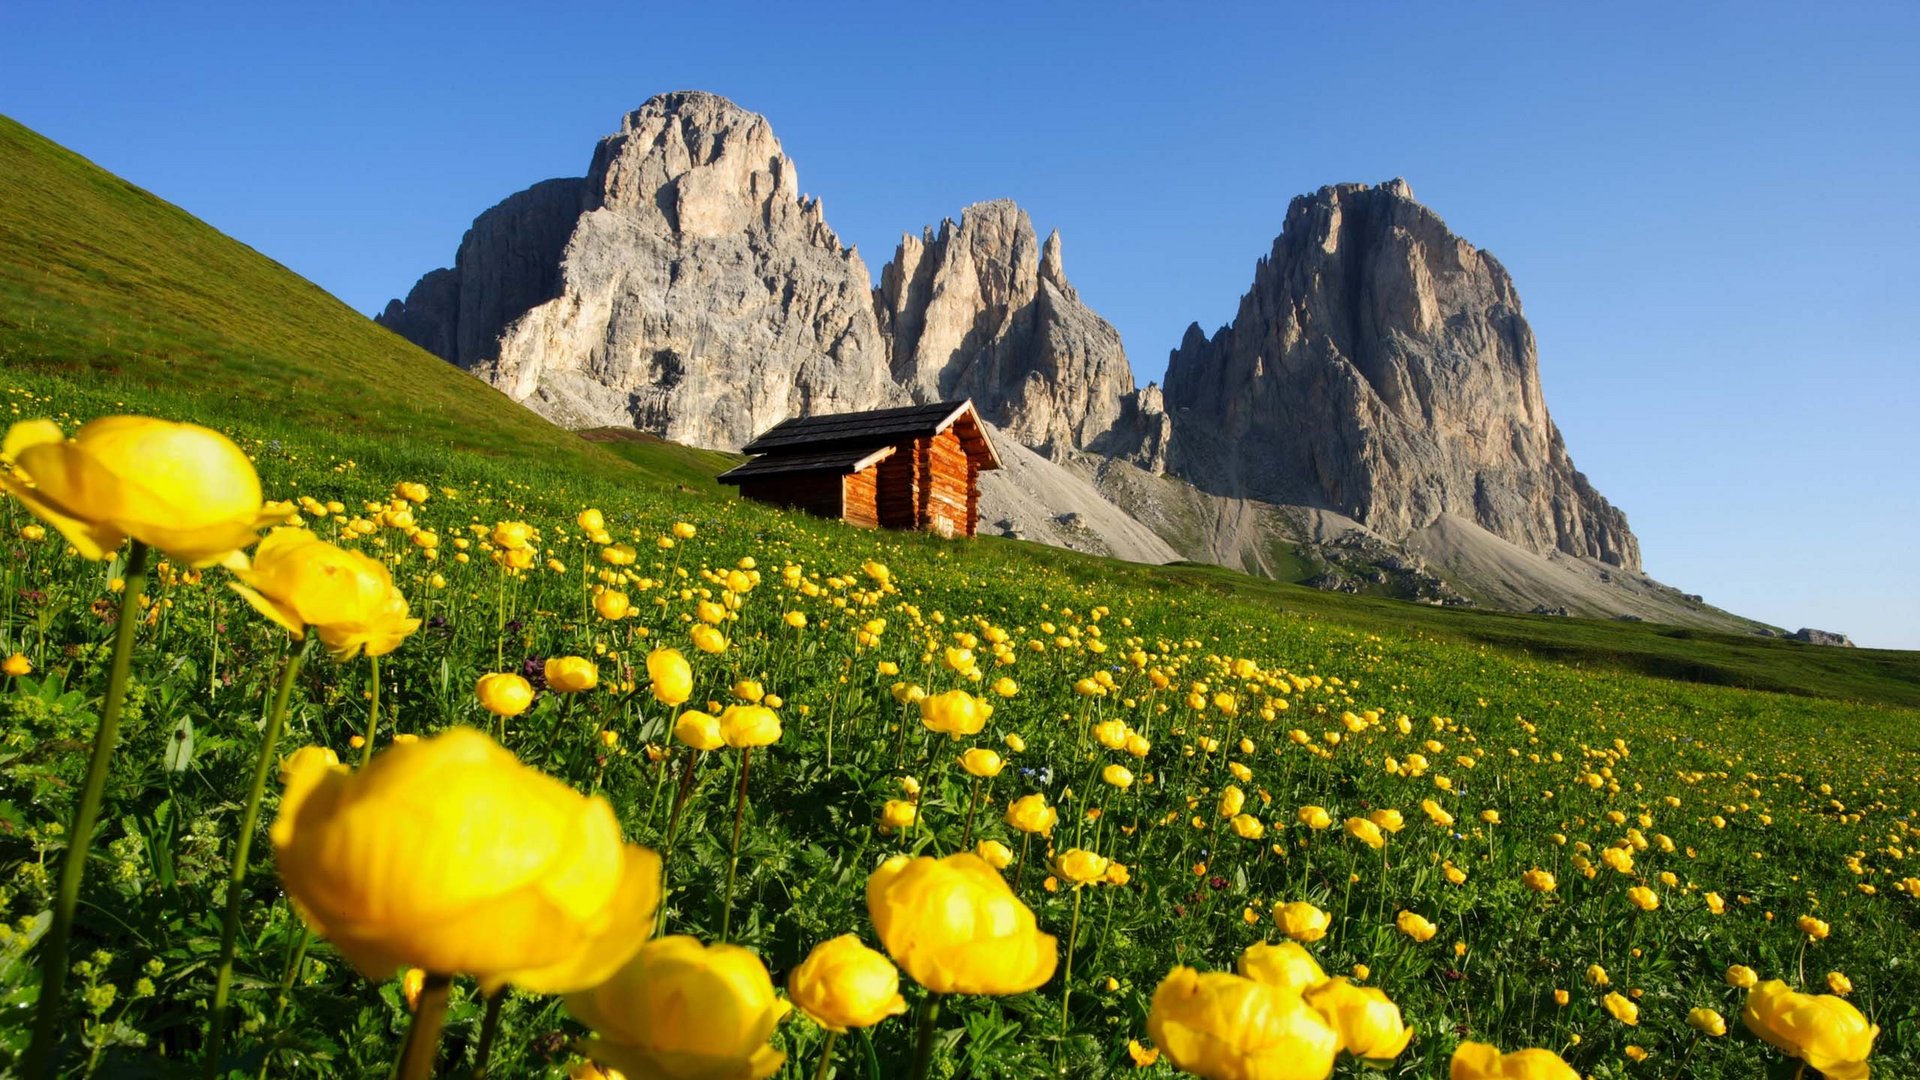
(841, 461)
(870, 429)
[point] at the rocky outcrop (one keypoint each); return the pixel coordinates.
(1380, 367)
(982, 309)
(684, 287)
(1810, 636)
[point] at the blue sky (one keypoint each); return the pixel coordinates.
(1709, 209)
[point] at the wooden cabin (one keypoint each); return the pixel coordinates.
(916, 467)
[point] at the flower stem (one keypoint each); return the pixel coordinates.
(673, 832)
(489, 1027)
(242, 845)
(43, 1052)
(373, 714)
(286, 987)
(423, 1035)
(1066, 977)
(733, 853)
(923, 1043)
(826, 1056)
(973, 803)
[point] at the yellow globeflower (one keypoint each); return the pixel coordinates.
(1301, 921)
(998, 855)
(956, 926)
(1369, 1024)
(1707, 1022)
(1005, 686)
(670, 675)
(1540, 880)
(1813, 928)
(1248, 827)
(1366, 832)
(1825, 1031)
(1118, 775)
(1221, 1026)
(1031, 814)
(571, 674)
(899, 814)
(1111, 734)
(1643, 898)
(1483, 1061)
(1742, 977)
(1315, 817)
(1080, 866)
(684, 530)
(1415, 926)
(843, 984)
(1231, 800)
(17, 665)
(447, 854)
(512, 535)
(299, 580)
(1622, 1009)
(183, 489)
(612, 604)
(1388, 819)
(749, 725)
(686, 1011)
(1286, 965)
(955, 712)
(504, 693)
(981, 762)
(591, 521)
(707, 639)
(699, 730)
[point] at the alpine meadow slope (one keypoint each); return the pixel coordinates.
(1579, 835)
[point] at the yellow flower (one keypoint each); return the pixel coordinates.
(749, 725)
(1138, 746)
(504, 693)
(1561, 997)
(1839, 983)
(1369, 1024)
(449, 855)
(185, 490)
(1315, 817)
(1301, 921)
(1118, 874)
(1643, 898)
(1707, 1022)
(1005, 686)
(612, 605)
(843, 984)
(1415, 926)
(1080, 866)
(707, 639)
(1366, 832)
(591, 521)
(17, 665)
(956, 927)
(1741, 977)
(955, 712)
(1812, 927)
(1541, 881)
(1031, 814)
(796, 619)
(1597, 975)
(749, 690)
(670, 675)
(1286, 966)
(685, 1010)
(1118, 775)
(512, 535)
(899, 814)
(981, 762)
(1111, 734)
(1142, 1056)
(1248, 827)
(699, 730)
(1231, 800)
(1622, 1009)
(299, 580)
(1715, 904)
(684, 530)
(877, 571)
(1226, 1027)
(1015, 743)
(1825, 1032)
(571, 674)
(1389, 820)
(1483, 1061)
(998, 855)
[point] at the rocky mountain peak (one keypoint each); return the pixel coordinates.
(1380, 367)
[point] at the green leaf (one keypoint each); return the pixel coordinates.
(179, 753)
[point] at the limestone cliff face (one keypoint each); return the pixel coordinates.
(684, 287)
(983, 309)
(1380, 367)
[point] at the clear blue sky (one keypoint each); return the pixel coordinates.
(1710, 210)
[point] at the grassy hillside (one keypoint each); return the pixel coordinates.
(1613, 756)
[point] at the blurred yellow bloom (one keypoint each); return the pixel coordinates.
(1366, 832)
(1315, 817)
(185, 490)
(749, 725)
(591, 521)
(843, 984)
(1741, 977)
(1539, 880)
(1483, 1061)
(1369, 1024)
(998, 855)
(1812, 927)
(1415, 926)
(1643, 898)
(899, 814)
(956, 926)
(1388, 819)
(682, 1009)
(571, 674)
(1302, 921)
(1286, 966)
(1080, 866)
(1825, 1032)
(612, 605)
(449, 855)
(707, 639)
(1117, 775)
(955, 712)
(1231, 800)
(299, 580)
(670, 675)
(982, 762)
(17, 665)
(1839, 983)
(1227, 1027)
(1621, 1008)
(699, 730)
(1707, 1022)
